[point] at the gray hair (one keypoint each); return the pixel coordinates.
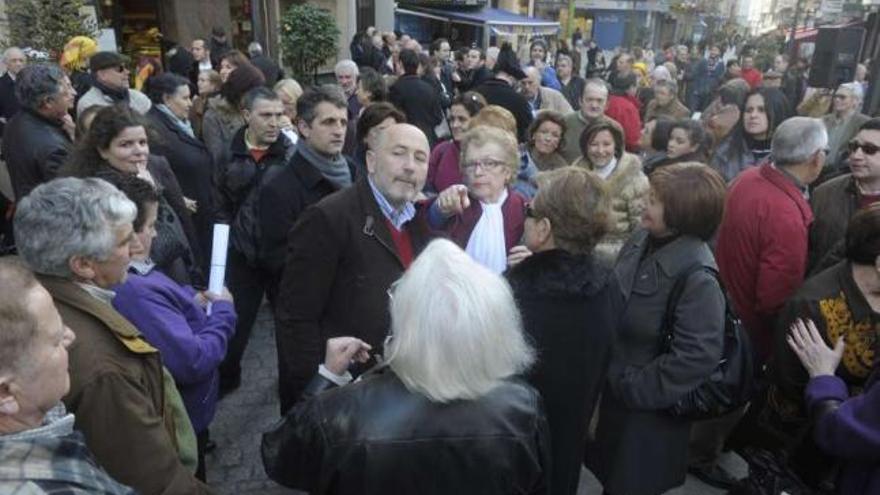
(69, 217)
(596, 83)
(38, 82)
(457, 330)
(255, 49)
(669, 84)
(18, 323)
(854, 88)
(492, 52)
(9, 51)
(346, 67)
(797, 139)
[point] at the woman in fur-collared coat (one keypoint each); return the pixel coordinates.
(602, 149)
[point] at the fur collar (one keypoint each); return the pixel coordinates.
(558, 273)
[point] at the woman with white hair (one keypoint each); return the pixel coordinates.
(444, 414)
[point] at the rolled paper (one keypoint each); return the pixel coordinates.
(217, 279)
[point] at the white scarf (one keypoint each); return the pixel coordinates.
(605, 172)
(486, 244)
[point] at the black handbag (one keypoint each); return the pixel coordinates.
(731, 383)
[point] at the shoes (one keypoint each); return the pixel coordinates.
(713, 475)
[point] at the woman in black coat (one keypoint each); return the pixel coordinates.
(640, 448)
(570, 304)
(188, 156)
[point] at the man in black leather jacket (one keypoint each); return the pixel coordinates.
(443, 414)
(37, 140)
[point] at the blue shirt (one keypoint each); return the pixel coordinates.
(398, 217)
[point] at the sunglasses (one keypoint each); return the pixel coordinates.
(868, 148)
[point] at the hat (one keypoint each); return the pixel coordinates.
(104, 60)
(507, 62)
(218, 31)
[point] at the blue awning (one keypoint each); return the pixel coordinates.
(499, 21)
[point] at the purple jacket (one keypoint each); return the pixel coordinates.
(849, 429)
(192, 343)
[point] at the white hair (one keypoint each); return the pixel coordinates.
(797, 139)
(255, 49)
(69, 217)
(457, 330)
(661, 73)
(346, 67)
(596, 83)
(854, 88)
(7, 54)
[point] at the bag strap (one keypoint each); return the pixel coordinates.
(666, 330)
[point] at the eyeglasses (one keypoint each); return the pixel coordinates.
(486, 165)
(868, 148)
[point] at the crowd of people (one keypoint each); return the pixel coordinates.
(487, 269)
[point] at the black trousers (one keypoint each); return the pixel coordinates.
(248, 285)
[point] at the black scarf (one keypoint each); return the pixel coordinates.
(117, 95)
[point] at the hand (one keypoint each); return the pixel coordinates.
(815, 355)
(223, 296)
(453, 200)
(517, 254)
(343, 351)
(191, 204)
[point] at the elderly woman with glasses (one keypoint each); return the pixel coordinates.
(484, 215)
(445, 413)
(570, 303)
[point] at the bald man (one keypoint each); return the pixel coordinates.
(344, 253)
(540, 97)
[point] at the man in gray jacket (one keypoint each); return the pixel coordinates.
(110, 76)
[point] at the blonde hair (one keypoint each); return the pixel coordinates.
(457, 332)
(290, 88)
(481, 134)
(495, 116)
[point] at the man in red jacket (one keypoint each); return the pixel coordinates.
(762, 240)
(752, 75)
(624, 108)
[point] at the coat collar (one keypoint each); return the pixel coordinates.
(671, 259)
(278, 149)
(160, 116)
(374, 222)
(786, 186)
(556, 273)
(69, 293)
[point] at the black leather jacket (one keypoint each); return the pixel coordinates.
(34, 147)
(240, 187)
(376, 437)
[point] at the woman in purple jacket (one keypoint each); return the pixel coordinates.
(846, 427)
(172, 317)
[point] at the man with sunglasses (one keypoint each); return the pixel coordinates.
(843, 122)
(110, 76)
(837, 200)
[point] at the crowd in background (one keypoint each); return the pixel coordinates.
(488, 268)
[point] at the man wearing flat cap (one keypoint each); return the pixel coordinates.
(500, 90)
(111, 82)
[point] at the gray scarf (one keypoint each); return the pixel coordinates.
(184, 125)
(333, 169)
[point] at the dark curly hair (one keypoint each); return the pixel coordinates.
(86, 161)
(243, 79)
